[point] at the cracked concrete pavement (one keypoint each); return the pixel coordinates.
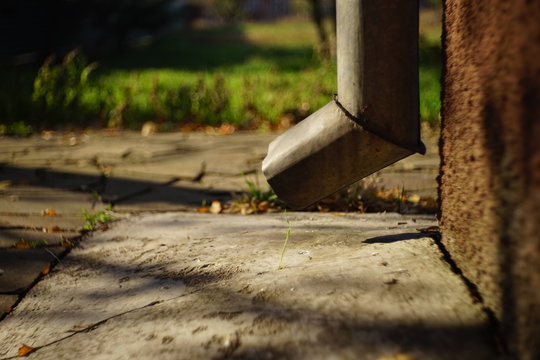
(69, 173)
(187, 285)
(198, 286)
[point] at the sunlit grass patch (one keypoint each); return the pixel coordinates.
(254, 76)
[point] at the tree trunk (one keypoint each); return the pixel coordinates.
(317, 18)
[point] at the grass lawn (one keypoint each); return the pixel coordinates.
(250, 75)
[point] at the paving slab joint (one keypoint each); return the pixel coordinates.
(95, 325)
(22, 293)
(494, 326)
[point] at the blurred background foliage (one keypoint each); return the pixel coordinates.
(250, 64)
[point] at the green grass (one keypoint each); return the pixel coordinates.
(263, 74)
(250, 75)
(430, 64)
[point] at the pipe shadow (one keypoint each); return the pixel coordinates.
(115, 190)
(388, 239)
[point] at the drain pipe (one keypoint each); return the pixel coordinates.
(371, 123)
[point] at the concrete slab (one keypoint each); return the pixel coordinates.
(12, 149)
(22, 266)
(222, 155)
(134, 163)
(196, 286)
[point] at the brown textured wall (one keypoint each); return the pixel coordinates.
(490, 148)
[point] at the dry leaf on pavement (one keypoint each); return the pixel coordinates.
(46, 269)
(216, 207)
(227, 129)
(53, 229)
(25, 350)
(49, 212)
(22, 244)
(263, 206)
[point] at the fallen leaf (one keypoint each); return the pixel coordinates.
(245, 209)
(25, 350)
(8, 310)
(263, 206)
(46, 269)
(22, 244)
(323, 208)
(47, 134)
(203, 209)
(149, 128)
(216, 207)
(53, 229)
(210, 130)
(49, 212)
(227, 129)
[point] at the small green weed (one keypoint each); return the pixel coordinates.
(94, 219)
(256, 193)
(254, 201)
(287, 236)
(18, 129)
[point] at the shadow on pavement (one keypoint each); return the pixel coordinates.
(387, 239)
(114, 190)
